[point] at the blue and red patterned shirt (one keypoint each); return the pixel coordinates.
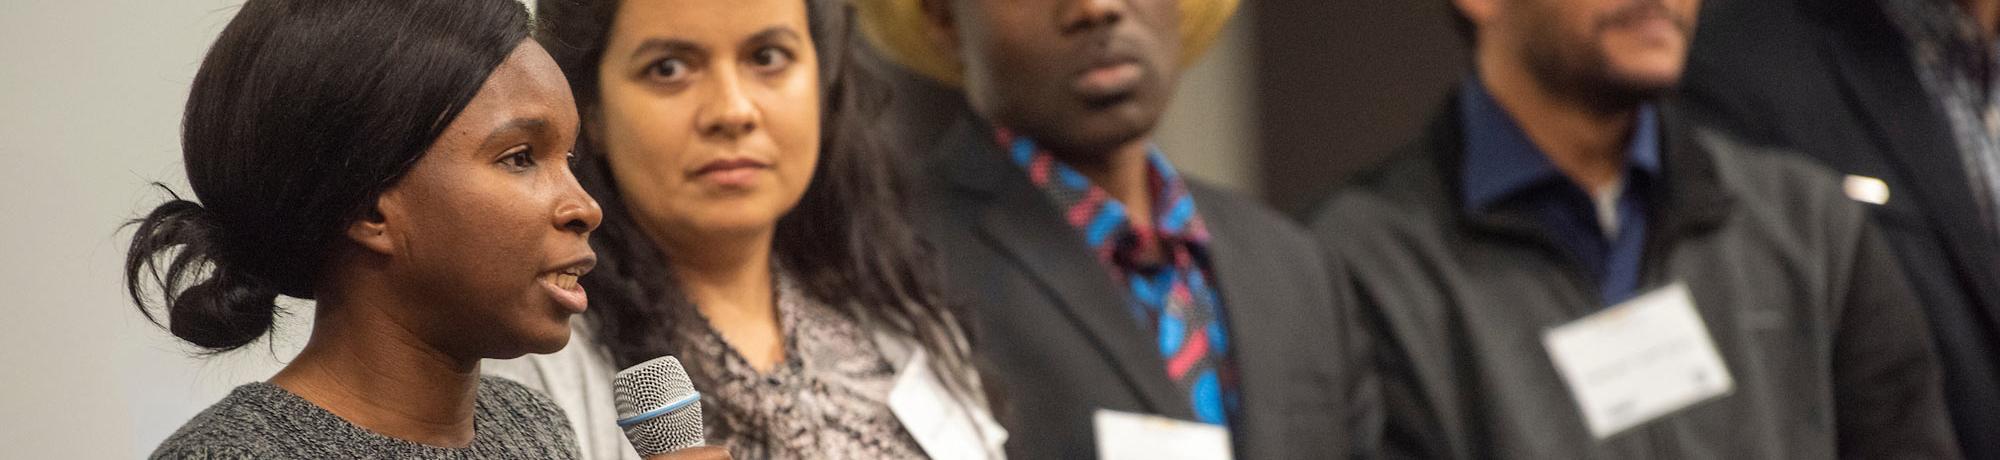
(1164, 266)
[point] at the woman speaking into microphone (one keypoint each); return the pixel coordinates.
(405, 163)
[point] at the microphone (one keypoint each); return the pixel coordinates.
(658, 407)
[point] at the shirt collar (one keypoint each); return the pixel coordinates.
(1500, 161)
(1174, 214)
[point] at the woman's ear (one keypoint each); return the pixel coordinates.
(372, 230)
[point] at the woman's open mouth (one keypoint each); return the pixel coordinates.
(563, 286)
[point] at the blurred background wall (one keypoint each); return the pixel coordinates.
(1341, 84)
(90, 108)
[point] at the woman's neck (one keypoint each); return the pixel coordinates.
(379, 375)
(731, 284)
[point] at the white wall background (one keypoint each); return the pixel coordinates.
(90, 100)
(91, 93)
(1210, 131)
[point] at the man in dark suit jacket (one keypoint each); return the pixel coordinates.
(1835, 80)
(1097, 277)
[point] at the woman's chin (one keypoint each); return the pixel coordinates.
(746, 220)
(545, 340)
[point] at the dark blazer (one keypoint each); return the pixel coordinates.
(1828, 361)
(1059, 333)
(1832, 79)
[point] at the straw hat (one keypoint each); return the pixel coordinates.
(896, 27)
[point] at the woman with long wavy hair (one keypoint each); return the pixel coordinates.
(754, 229)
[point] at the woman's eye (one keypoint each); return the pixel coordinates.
(667, 69)
(771, 58)
(519, 160)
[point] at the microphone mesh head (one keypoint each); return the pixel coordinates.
(650, 387)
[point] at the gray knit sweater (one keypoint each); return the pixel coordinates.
(262, 421)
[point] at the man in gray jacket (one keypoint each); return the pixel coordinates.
(1564, 268)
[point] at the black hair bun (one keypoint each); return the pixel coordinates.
(181, 242)
(224, 312)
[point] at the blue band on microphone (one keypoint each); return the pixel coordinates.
(691, 398)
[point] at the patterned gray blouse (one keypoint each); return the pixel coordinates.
(828, 399)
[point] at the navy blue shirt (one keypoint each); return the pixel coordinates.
(1503, 168)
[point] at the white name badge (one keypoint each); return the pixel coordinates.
(935, 419)
(1638, 360)
(1125, 435)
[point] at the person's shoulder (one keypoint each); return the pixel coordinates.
(502, 393)
(209, 450)
(241, 425)
(1784, 190)
(221, 431)
(1393, 198)
(1258, 231)
(1765, 172)
(960, 164)
(1242, 217)
(1217, 203)
(524, 414)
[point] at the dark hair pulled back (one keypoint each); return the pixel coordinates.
(302, 113)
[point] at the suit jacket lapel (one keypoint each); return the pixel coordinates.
(1019, 221)
(1918, 142)
(1257, 305)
